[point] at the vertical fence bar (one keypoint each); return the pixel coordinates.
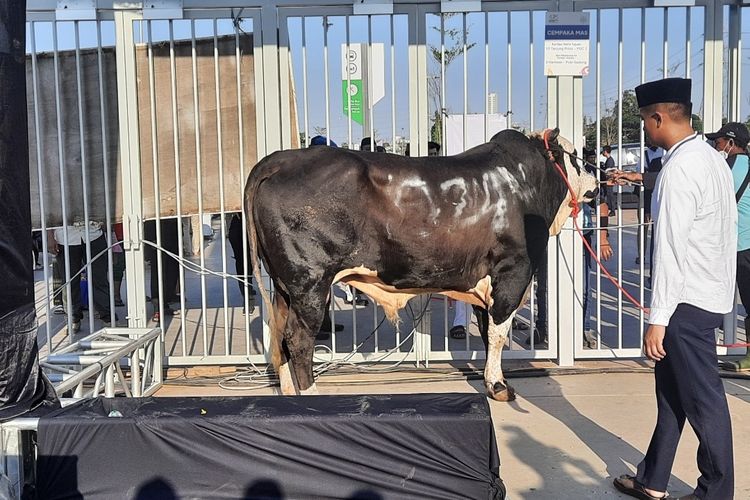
(178, 178)
(598, 152)
(688, 48)
(369, 104)
(665, 47)
(103, 118)
(157, 197)
(199, 176)
(348, 92)
(442, 111)
(393, 86)
(222, 206)
(305, 90)
(243, 216)
(645, 229)
(510, 76)
(486, 79)
(84, 179)
(621, 23)
(465, 120)
(61, 172)
(40, 183)
(531, 71)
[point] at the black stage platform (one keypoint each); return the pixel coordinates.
(367, 447)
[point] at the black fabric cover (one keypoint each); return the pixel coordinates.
(366, 447)
(22, 385)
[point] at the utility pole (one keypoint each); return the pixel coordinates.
(22, 384)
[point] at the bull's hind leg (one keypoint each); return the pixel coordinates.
(507, 298)
(494, 381)
(494, 337)
(280, 356)
(306, 313)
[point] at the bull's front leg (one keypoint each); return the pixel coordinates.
(494, 381)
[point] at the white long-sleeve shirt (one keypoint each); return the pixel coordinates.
(695, 233)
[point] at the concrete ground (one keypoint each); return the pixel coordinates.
(565, 437)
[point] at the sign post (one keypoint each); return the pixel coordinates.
(566, 44)
(362, 80)
(352, 82)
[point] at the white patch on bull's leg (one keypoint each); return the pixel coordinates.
(286, 380)
(493, 371)
(310, 391)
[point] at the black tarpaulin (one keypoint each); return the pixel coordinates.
(378, 447)
(22, 385)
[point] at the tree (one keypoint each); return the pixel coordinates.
(609, 122)
(631, 123)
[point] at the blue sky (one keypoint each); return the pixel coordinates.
(379, 31)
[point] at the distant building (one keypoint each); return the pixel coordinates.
(492, 103)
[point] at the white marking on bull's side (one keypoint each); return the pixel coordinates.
(460, 183)
(390, 177)
(509, 179)
(522, 169)
(491, 194)
(417, 183)
(496, 337)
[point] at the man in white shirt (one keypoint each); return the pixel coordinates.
(695, 239)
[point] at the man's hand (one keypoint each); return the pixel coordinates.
(622, 177)
(653, 341)
(605, 250)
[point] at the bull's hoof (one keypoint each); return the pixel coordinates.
(501, 392)
(310, 391)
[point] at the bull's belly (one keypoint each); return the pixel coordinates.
(393, 299)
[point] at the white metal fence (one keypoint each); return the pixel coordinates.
(158, 114)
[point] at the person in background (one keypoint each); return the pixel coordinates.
(652, 163)
(75, 254)
(321, 140)
(695, 245)
(609, 165)
(118, 263)
(590, 334)
(170, 268)
(367, 145)
(36, 248)
(731, 142)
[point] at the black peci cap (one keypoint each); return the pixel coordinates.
(667, 90)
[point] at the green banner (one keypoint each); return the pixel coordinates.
(357, 100)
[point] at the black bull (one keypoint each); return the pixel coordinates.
(472, 226)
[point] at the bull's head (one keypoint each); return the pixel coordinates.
(584, 185)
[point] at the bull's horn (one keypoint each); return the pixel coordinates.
(554, 133)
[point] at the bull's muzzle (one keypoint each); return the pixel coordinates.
(590, 195)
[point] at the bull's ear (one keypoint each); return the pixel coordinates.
(554, 133)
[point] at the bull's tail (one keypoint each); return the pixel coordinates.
(258, 174)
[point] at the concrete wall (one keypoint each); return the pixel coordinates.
(93, 150)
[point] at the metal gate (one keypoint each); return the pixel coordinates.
(173, 103)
